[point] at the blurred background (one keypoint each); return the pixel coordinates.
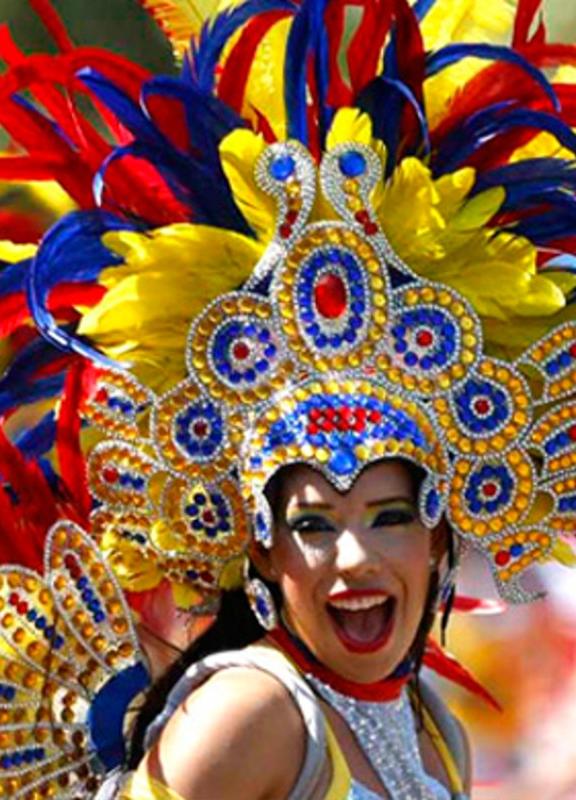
(525, 656)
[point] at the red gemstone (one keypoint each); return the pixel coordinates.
(14, 599)
(572, 350)
(375, 416)
(502, 558)
(371, 228)
(330, 296)
(207, 577)
(490, 489)
(313, 429)
(101, 395)
(22, 607)
(572, 432)
(69, 561)
(362, 217)
(285, 230)
(110, 474)
(200, 428)
(208, 518)
(424, 338)
(315, 414)
(482, 406)
(241, 351)
(291, 217)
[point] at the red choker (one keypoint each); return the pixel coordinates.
(380, 691)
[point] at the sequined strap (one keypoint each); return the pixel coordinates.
(314, 770)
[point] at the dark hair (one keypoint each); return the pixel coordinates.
(236, 627)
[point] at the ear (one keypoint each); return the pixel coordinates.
(440, 541)
(261, 557)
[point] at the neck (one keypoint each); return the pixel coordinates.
(382, 690)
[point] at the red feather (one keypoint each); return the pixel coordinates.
(68, 447)
(339, 92)
(448, 667)
(525, 14)
(365, 49)
(52, 23)
(236, 70)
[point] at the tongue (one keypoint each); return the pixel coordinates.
(363, 626)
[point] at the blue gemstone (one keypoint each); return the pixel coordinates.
(410, 359)
(352, 164)
(516, 550)
(343, 462)
(99, 616)
(282, 167)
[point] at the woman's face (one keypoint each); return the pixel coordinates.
(353, 568)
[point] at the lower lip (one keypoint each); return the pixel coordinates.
(354, 646)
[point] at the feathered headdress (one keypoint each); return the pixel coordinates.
(364, 210)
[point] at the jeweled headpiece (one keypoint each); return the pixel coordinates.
(336, 354)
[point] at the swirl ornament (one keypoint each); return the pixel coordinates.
(488, 412)
(332, 299)
(434, 340)
(193, 433)
(235, 351)
(488, 495)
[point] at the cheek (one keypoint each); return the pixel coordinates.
(299, 562)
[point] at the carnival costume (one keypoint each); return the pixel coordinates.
(344, 233)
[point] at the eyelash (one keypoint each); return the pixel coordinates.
(313, 523)
(394, 516)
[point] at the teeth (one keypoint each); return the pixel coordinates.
(358, 603)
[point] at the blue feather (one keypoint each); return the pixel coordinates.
(122, 106)
(422, 7)
(13, 277)
(209, 119)
(530, 181)
(452, 53)
(12, 397)
(295, 73)
(376, 99)
(200, 68)
(489, 123)
(72, 251)
(321, 66)
(37, 441)
(202, 188)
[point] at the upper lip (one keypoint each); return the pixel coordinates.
(357, 599)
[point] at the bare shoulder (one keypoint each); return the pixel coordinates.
(452, 730)
(238, 736)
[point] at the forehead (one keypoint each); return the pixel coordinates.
(386, 479)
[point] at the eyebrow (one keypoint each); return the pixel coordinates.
(302, 504)
(389, 500)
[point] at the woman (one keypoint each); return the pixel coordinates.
(377, 194)
(357, 575)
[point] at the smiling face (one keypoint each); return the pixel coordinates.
(353, 568)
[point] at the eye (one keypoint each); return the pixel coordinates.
(311, 523)
(389, 517)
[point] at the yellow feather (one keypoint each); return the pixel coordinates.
(461, 21)
(179, 20)
(563, 553)
(167, 278)
(12, 253)
(265, 85)
(239, 152)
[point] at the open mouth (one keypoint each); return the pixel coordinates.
(362, 622)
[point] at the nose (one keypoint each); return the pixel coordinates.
(356, 554)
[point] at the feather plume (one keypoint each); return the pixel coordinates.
(180, 19)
